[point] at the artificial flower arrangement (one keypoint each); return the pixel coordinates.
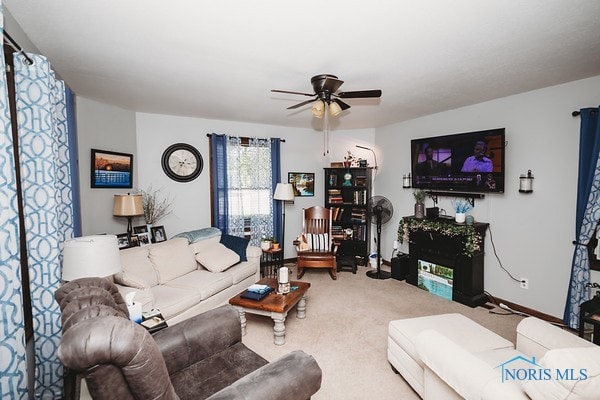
(461, 207)
(472, 239)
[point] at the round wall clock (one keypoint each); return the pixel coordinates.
(182, 162)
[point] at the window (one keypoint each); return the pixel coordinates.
(242, 186)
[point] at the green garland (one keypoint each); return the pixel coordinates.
(472, 239)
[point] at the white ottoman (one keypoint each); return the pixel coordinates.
(402, 335)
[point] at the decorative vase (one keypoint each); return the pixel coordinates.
(460, 218)
(275, 246)
(265, 245)
(469, 220)
(149, 230)
(420, 210)
(347, 164)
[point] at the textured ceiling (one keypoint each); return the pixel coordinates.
(219, 59)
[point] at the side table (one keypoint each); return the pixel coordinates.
(270, 261)
(589, 311)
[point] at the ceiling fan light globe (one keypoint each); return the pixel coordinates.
(318, 109)
(334, 108)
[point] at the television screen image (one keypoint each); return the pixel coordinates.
(465, 162)
(435, 279)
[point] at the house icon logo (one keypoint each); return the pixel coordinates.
(520, 368)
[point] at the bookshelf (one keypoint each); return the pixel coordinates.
(347, 191)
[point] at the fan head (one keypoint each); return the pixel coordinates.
(380, 209)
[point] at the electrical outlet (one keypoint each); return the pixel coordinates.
(396, 245)
(524, 283)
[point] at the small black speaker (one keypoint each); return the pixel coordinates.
(400, 266)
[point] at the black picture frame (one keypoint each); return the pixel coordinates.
(111, 170)
(123, 240)
(144, 239)
(158, 234)
(140, 229)
(303, 183)
(134, 241)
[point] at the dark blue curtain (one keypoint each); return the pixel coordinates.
(588, 209)
(276, 178)
(73, 161)
(219, 184)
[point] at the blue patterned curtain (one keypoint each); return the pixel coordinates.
(13, 363)
(220, 204)
(276, 178)
(588, 212)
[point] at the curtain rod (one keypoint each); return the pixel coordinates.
(575, 113)
(16, 47)
(210, 134)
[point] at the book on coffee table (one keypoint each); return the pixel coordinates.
(253, 295)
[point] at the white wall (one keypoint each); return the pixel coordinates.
(301, 152)
(532, 232)
(104, 127)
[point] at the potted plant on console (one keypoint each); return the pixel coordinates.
(419, 196)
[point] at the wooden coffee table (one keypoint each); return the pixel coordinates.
(273, 305)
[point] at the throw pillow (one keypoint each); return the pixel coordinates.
(237, 244)
(318, 241)
(218, 258)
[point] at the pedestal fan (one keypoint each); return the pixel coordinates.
(380, 211)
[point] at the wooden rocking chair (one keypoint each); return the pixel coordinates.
(316, 229)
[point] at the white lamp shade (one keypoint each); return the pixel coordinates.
(90, 256)
(128, 205)
(284, 191)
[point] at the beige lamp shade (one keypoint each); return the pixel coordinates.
(128, 205)
(90, 256)
(284, 191)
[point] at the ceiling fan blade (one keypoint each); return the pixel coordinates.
(359, 94)
(301, 104)
(286, 91)
(343, 106)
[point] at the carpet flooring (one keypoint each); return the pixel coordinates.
(345, 329)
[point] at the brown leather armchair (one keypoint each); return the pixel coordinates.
(200, 358)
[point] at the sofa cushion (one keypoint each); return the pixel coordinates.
(204, 283)
(237, 244)
(137, 270)
(202, 245)
(577, 359)
(241, 271)
(172, 259)
(217, 258)
(173, 300)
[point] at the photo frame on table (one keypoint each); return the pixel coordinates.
(158, 233)
(303, 183)
(134, 241)
(140, 229)
(144, 239)
(123, 240)
(110, 169)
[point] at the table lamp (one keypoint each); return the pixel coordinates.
(284, 192)
(89, 256)
(128, 205)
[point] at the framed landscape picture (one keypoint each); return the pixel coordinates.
(110, 169)
(303, 183)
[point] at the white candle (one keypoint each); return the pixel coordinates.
(284, 275)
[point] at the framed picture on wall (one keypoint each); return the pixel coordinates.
(110, 169)
(303, 183)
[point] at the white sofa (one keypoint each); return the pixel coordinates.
(456, 363)
(188, 274)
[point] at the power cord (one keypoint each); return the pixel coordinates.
(498, 258)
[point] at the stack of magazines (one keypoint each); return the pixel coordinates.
(257, 292)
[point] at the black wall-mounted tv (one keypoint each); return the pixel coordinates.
(464, 162)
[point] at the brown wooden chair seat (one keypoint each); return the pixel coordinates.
(317, 221)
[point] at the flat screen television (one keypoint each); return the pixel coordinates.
(464, 162)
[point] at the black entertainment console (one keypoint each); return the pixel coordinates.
(458, 247)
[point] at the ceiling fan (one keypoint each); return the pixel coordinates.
(326, 95)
